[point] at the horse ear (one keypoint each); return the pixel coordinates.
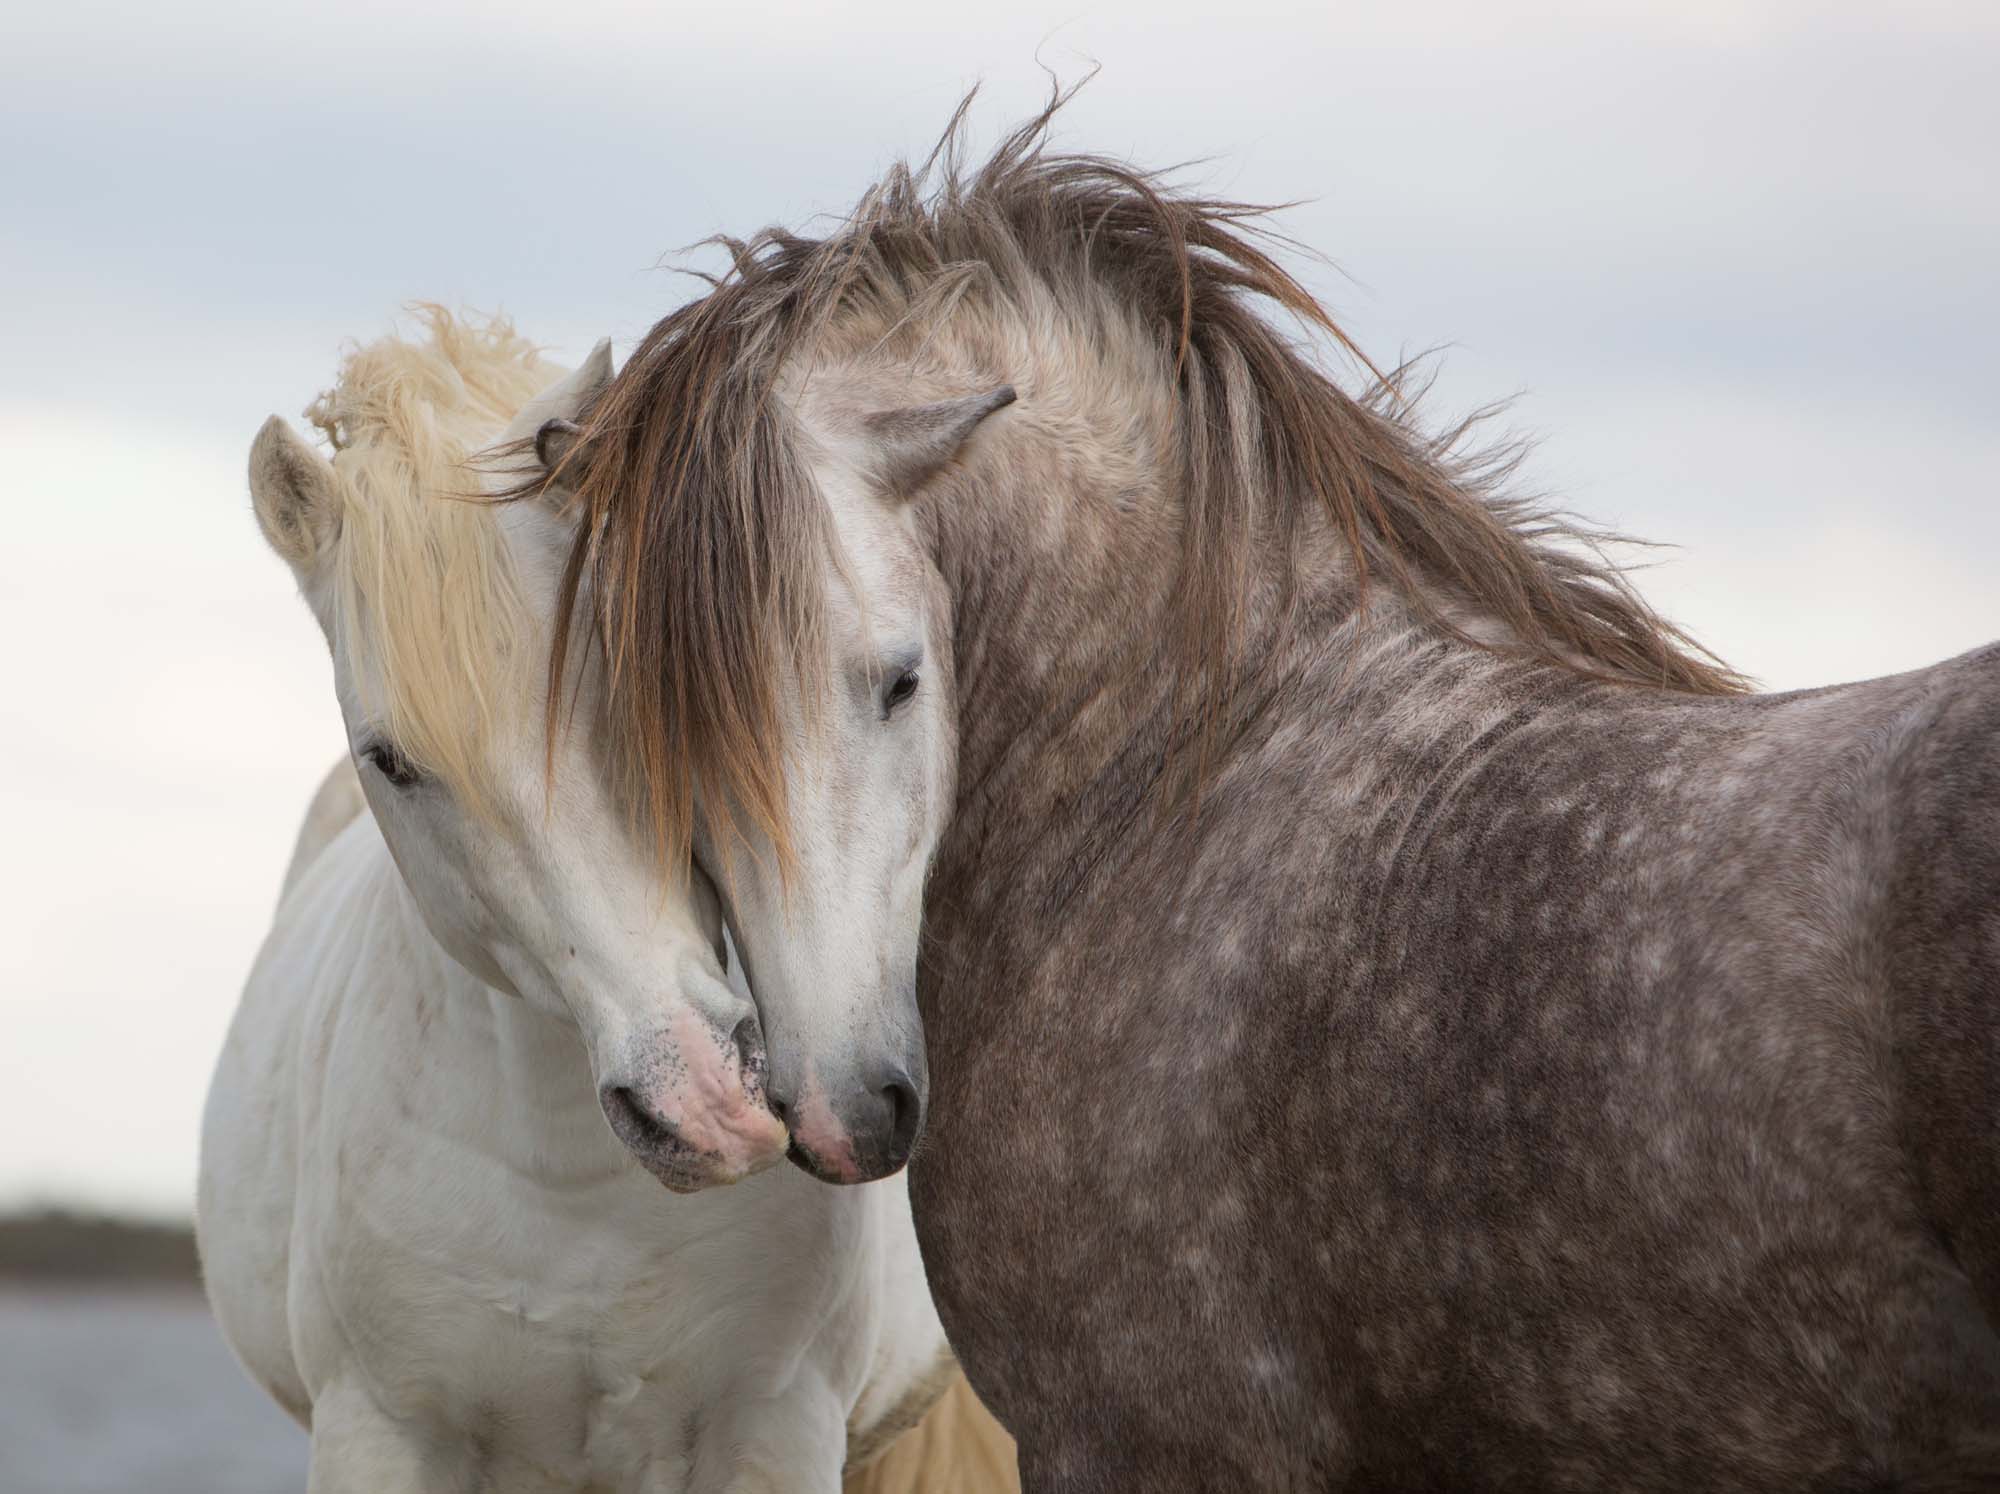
(912, 443)
(295, 494)
(555, 441)
(549, 419)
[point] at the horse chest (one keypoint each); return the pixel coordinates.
(553, 1308)
(563, 1340)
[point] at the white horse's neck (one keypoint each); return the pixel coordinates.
(516, 1083)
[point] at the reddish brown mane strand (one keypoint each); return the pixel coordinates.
(699, 568)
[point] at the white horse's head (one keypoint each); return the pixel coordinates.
(502, 814)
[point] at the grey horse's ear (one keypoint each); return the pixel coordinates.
(548, 421)
(912, 443)
(555, 441)
(594, 372)
(557, 437)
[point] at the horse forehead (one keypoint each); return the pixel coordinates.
(879, 551)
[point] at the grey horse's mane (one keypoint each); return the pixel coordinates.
(700, 565)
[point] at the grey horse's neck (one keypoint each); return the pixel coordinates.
(1074, 706)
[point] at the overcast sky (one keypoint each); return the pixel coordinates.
(1736, 257)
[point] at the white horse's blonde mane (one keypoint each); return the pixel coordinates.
(426, 600)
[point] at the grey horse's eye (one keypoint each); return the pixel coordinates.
(391, 764)
(901, 688)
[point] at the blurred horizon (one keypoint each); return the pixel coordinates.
(1734, 262)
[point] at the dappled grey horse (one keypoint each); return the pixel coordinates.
(1393, 1014)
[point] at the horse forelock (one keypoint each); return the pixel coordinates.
(700, 571)
(427, 601)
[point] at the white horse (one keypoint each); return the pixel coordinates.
(418, 1230)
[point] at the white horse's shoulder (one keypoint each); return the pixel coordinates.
(335, 804)
(245, 1202)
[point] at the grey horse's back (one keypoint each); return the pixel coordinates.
(1681, 1043)
(1941, 903)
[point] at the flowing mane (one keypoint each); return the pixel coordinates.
(699, 569)
(425, 595)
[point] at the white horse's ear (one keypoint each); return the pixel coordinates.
(295, 494)
(910, 445)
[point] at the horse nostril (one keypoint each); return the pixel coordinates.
(635, 1124)
(781, 1107)
(749, 1044)
(906, 1113)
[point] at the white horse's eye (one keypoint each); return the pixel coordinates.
(900, 689)
(391, 764)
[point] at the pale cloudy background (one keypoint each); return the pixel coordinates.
(1737, 256)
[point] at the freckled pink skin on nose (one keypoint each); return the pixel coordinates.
(714, 1107)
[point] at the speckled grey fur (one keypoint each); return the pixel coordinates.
(1506, 1081)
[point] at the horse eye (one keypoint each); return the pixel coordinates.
(900, 690)
(391, 764)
